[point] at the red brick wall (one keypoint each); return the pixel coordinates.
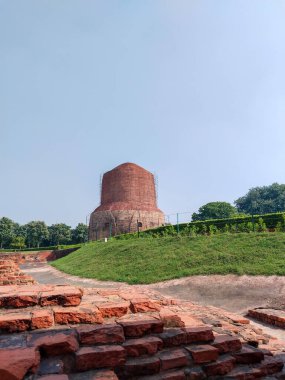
(128, 195)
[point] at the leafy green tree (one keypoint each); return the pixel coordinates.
(37, 232)
(7, 227)
(60, 234)
(18, 242)
(20, 230)
(80, 233)
(215, 210)
(262, 200)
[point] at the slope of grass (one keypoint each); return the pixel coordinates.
(151, 260)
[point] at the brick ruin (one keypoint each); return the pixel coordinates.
(62, 332)
(128, 196)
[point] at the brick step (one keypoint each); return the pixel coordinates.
(270, 316)
(26, 296)
(81, 351)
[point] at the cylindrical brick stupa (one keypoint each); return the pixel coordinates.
(128, 199)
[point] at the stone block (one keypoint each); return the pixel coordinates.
(148, 345)
(41, 319)
(133, 329)
(144, 305)
(203, 354)
(248, 355)
(221, 367)
(140, 367)
(171, 359)
(198, 334)
(105, 334)
(71, 315)
(226, 343)
(61, 295)
(173, 337)
(113, 309)
(15, 322)
(16, 363)
(99, 357)
(53, 343)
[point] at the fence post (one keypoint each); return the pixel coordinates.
(177, 220)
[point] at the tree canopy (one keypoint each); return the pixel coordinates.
(262, 200)
(214, 210)
(37, 234)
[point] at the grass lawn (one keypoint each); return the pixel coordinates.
(149, 260)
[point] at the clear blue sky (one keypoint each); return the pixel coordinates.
(191, 90)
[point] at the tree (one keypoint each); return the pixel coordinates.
(18, 242)
(36, 231)
(215, 210)
(60, 234)
(6, 231)
(80, 233)
(262, 200)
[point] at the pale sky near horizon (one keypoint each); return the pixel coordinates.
(191, 90)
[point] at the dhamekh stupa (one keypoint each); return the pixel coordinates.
(128, 200)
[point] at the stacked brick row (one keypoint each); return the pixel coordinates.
(273, 317)
(131, 350)
(117, 334)
(10, 274)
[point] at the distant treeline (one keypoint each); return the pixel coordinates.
(37, 234)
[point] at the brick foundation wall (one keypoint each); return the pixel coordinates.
(105, 223)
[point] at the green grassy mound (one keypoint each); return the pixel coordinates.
(151, 260)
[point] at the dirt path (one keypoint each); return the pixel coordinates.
(233, 293)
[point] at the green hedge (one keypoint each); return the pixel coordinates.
(50, 248)
(203, 226)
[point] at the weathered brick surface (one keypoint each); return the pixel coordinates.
(55, 342)
(74, 315)
(226, 343)
(99, 357)
(173, 358)
(54, 377)
(64, 296)
(248, 355)
(144, 305)
(173, 337)
(10, 272)
(41, 319)
(114, 309)
(140, 367)
(15, 322)
(220, 367)
(269, 316)
(122, 330)
(16, 363)
(134, 329)
(148, 345)
(105, 334)
(203, 353)
(199, 334)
